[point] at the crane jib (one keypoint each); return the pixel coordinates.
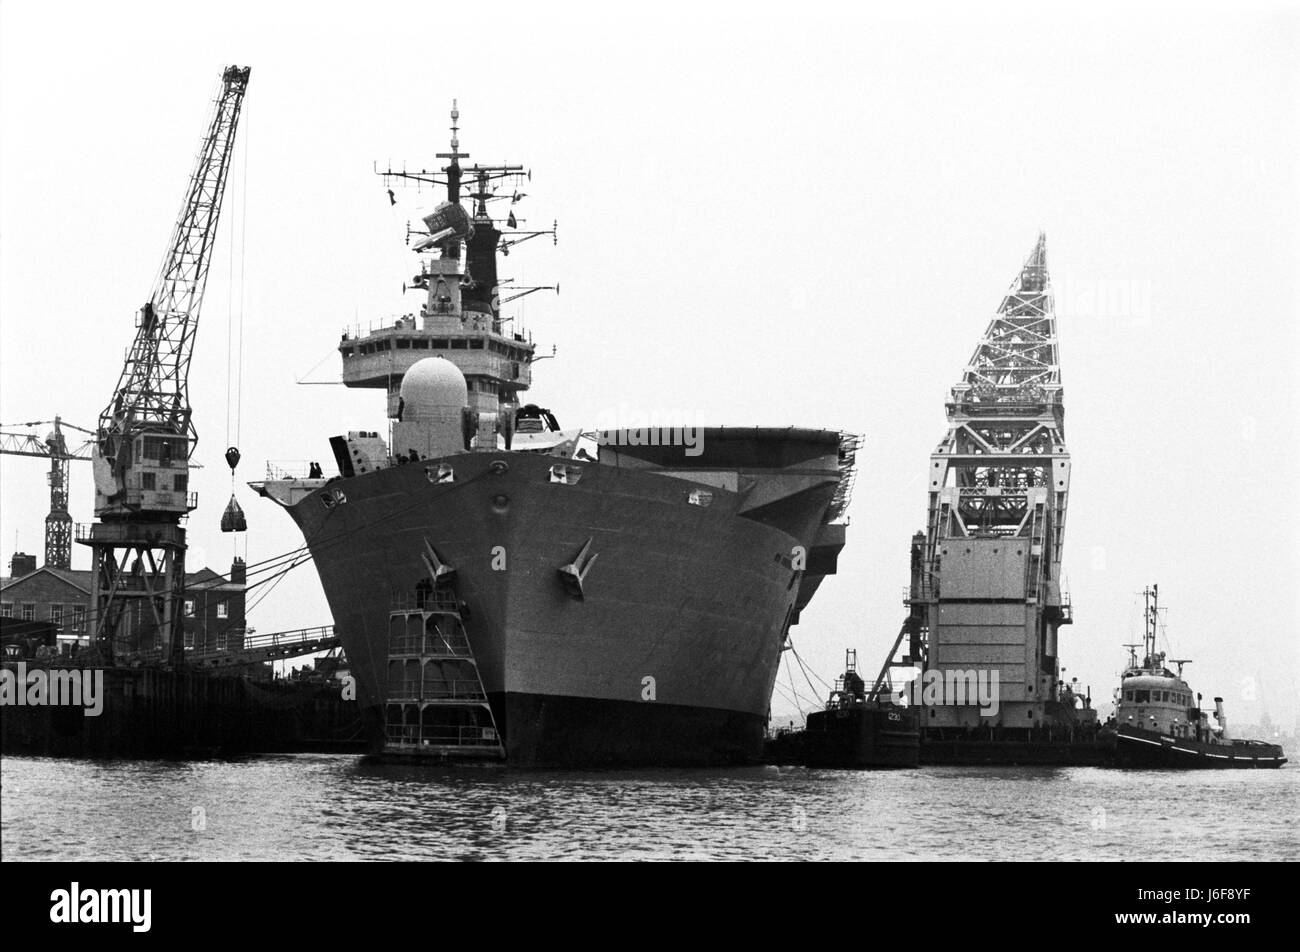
(150, 406)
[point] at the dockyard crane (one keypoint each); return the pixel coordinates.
(146, 434)
(54, 447)
(986, 583)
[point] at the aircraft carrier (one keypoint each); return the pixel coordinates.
(509, 589)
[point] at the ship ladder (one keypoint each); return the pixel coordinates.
(436, 704)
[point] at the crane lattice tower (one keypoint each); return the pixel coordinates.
(986, 576)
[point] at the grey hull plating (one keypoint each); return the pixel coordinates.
(673, 646)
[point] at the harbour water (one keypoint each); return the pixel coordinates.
(335, 807)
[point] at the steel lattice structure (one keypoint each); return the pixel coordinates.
(986, 588)
(146, 433)
(54, 447)
(1006, 423)
(153, 391)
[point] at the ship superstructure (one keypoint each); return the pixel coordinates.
(625, 594)
(460, 318)
(1150, 695)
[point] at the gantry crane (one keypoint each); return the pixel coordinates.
(54, 447)
(146, 434)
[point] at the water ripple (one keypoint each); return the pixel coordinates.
(317, 807)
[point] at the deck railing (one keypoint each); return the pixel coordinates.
(430, 644)
(416, 735)
(457, 689)
(438, 600)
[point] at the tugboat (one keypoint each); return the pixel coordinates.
(857, 728)
(1158, 723)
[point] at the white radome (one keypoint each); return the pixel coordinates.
(431, 384)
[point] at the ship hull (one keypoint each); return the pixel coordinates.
(1135, 747)
(666, 655)
(592, 732)
(856, 738)
(862, 736)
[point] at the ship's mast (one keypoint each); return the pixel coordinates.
(461, 317)
(1151, 597)
(453, 184)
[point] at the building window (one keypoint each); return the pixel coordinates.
(78, 617)
(223, 610)
(180, 482)
(146, 480)
(29, 611)
(188, 639)
(189, 606)
(6, 609)
(56, 614)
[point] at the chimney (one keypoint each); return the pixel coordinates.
(22, 565)
(238, 572)
(1221, 717)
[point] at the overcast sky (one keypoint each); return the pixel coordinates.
(767, 215)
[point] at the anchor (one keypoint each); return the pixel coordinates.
(575, 573)
(439, 570)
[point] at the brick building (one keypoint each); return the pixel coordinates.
(214, 604)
